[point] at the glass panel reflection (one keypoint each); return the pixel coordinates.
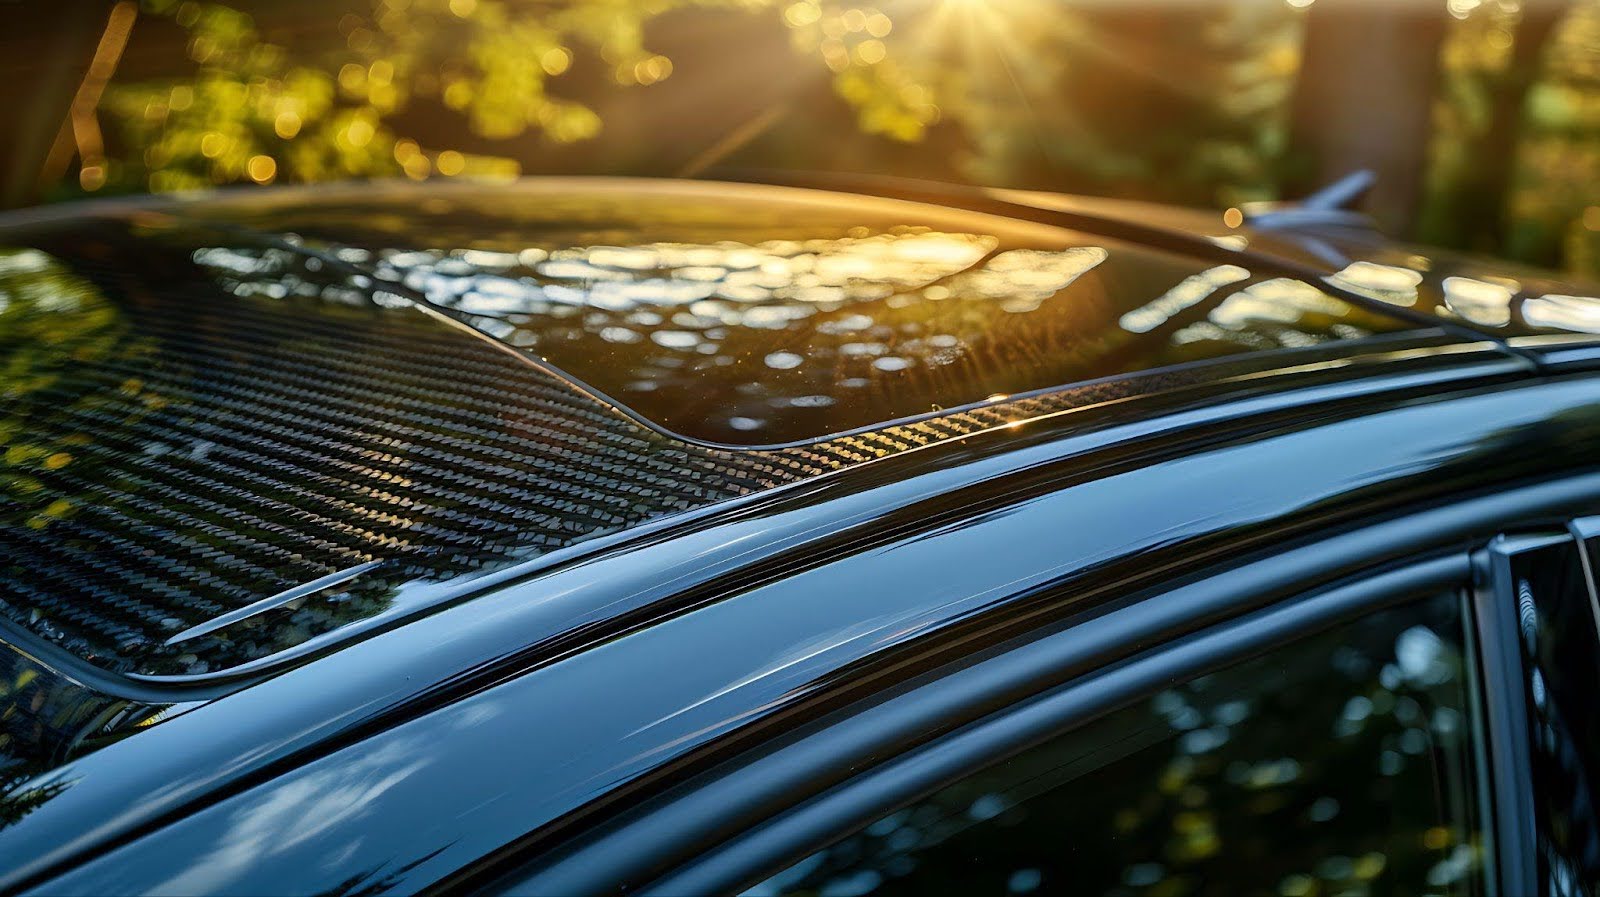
(1341, 764)
(809, 337)
(1558, 618)
(763, 316)
(1580, 314)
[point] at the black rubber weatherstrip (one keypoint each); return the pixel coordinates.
(1507, 726)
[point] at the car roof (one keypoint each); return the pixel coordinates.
(417, 755)
(274, 448)
(259, 425)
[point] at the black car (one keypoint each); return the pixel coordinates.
(602, 536)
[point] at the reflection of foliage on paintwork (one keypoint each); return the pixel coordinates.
(46, 719)
(51, 321)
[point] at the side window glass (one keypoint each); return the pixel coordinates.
(1556, 622)
(1342, 763)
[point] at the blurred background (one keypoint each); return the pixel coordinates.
(1480, 117)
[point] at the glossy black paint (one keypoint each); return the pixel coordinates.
(440, 743)
(995, 742)
(46, 718)
(723, 825)
(236, 452)
(899, 573)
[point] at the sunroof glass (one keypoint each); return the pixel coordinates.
(743, 320)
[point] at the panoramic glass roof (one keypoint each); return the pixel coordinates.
(757, 316)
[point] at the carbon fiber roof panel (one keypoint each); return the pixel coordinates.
(183, 453)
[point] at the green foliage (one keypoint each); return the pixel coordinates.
(1022, 83)
(1554, 201)
(1514, 165)
(51, 320)
(255, 110)
(891, 99)
(1189, 106)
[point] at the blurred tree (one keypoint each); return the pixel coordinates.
(43, 72)
(1199, 104)
(893, 100)
(1365, 83)
(1179, 103)
(1488, 64)
(263, 111)
(260, 111)
(1554, 190)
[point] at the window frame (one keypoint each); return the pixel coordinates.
(773, 846)
(1505, 712)
(1505, 656)
(794, 824)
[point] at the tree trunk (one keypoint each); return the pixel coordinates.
(46, 50)
(1364, 100)
(1499, 151)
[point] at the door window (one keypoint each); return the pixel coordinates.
(1342, 763)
